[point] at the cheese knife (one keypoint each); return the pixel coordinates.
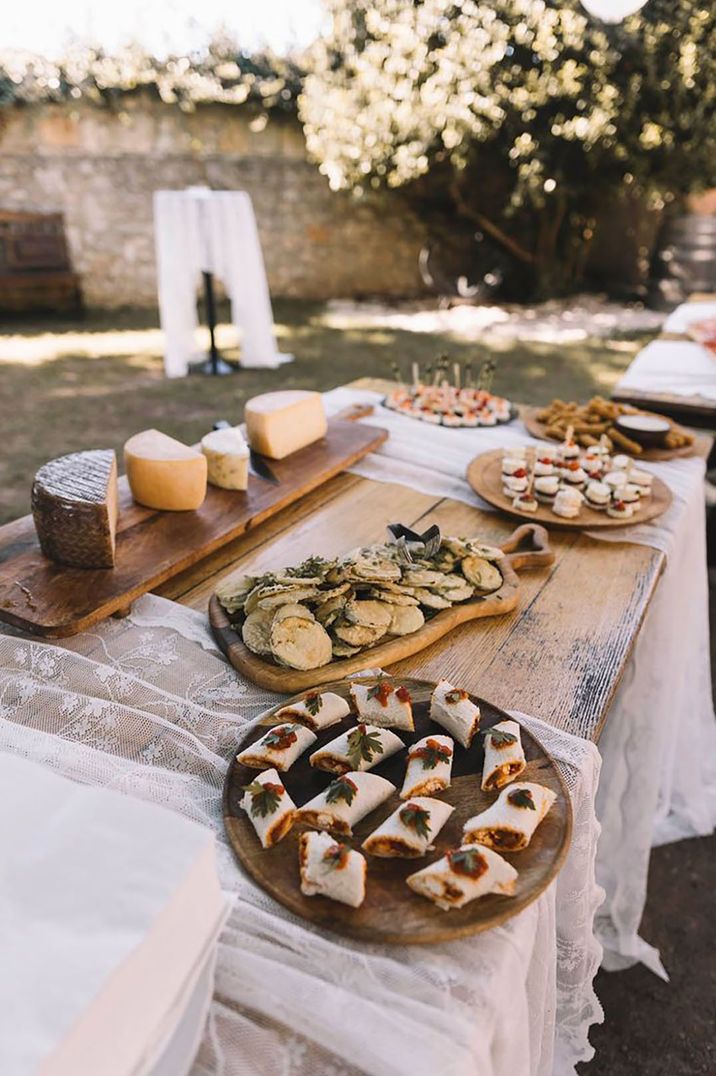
(258, 466)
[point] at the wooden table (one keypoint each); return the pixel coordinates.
(699, 411)
(559, 655)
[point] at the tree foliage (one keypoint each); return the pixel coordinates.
(526, 115)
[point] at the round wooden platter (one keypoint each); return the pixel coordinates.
(392, 913)
(275, 677)
(653, 454)
(484, 474)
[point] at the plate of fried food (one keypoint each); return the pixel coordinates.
(293, 628)
(598, 418)
(399, 811)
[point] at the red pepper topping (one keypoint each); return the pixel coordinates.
(403, 694)
(519, 473)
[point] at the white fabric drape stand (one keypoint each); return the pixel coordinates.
(658, 778)
(199, 230)
(147, 706)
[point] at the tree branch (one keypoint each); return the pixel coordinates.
(488, 226)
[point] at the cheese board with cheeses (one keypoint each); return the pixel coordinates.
(297, 627)
(94, 544)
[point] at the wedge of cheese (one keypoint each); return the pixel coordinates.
(74, 506)
(164, 473)
(227, 457)
(279, 423)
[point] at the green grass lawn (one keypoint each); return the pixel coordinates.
(94, 383)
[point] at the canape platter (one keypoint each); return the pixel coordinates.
(484, 474)
(275, 677)
(392, 913)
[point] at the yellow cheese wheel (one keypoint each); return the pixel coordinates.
(279, 423)
(164, 473)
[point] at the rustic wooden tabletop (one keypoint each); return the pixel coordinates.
(559, 655)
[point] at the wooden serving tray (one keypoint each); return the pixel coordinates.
(391, 912)
(653, 454)
(279, 678)
(51, 600)
(484, 474)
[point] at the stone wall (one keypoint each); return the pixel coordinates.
(100, 167)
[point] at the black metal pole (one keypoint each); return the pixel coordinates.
(214, 364)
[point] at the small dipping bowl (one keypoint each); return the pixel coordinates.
(644, 429)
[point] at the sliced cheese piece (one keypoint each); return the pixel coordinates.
(279, 747)
(508, 824)
(462, 875)
(429, 766)
(227, 457)
(270, 808)
(504, 756)
(452, 708)
(164, 473)
(346, 800)
(331, 869)
(410, 830)
(318, 710)
(74, 506)
(360, 748)
(279, 423)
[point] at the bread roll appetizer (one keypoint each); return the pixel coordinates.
(270, 808)
(464, 874)
(504, 755)
(360, 748)
(346, 800)
(331, 869)
(317, 710)
(429, 767)
(279, 747)
(410, 830)
(508, 824)
(382, 704)
(452, 708)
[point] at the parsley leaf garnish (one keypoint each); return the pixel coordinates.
(341, 789)
(313, 702)
(499, 737)
(522, 797)
(265, 797)
(362, 745)
(417, 818)
(467, 861)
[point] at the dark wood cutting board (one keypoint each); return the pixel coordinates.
(51, 600)
(392, 913)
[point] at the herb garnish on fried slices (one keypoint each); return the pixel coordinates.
(504, 755)
(453, 709)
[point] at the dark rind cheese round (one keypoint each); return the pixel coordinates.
(74, 505)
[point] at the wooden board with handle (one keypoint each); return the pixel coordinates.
(279, 678)
(484, 474)
(51, 600)
(392, 913)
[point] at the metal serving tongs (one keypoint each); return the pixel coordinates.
(409, 542)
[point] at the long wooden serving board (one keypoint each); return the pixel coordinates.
(51, 600)
(279, 678)
(392, 913)
(484, 474)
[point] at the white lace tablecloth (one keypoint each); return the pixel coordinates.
(147, 706)
(658, 778)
